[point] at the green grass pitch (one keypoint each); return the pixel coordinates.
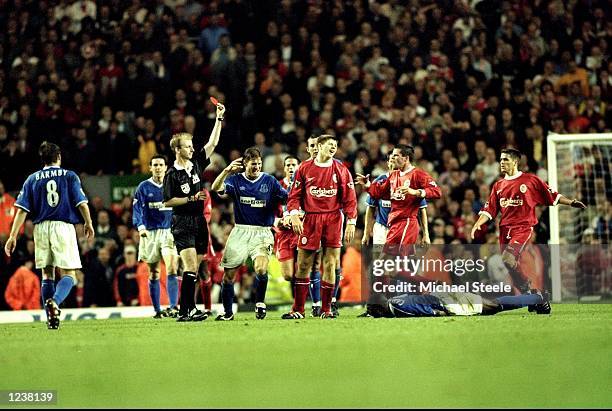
(513, 359)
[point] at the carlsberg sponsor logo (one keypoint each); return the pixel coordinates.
(323, 192)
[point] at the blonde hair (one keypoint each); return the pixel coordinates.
(175, 142)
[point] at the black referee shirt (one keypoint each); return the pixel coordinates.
(181, 182)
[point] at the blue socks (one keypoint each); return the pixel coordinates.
(154, 293)
(227, 293)
(173, 289)
(512, 302)
(315, 286)
(63, 289)
(47, 290)
(261, 284)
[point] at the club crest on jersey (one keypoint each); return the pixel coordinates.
(185, 188)
(523, 188)
(304, 240)
(335, 179)
(264, 188)
(407, 183)
(195, 179)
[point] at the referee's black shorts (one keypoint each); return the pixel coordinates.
(190, 232)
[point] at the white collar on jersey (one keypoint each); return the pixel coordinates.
(403, 173)
(187, 169)
(155, 184)
(287, 181)
(48, 167)
(325, 164)
(252, 181)
(517, 175)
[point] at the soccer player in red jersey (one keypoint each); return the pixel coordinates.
(203, 270)
(405, 187)
(324, 189)
(285, 239)
(516, 196)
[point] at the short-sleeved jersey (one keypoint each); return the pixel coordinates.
(404, 206)
(383, 206)
(323, 188)
(255, 201)
(516, 198)
(148, 207)
(184, 182)
(52, 194)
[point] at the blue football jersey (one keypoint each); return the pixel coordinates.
(384, 206)
(148, 207)
(52, 194)
(255, 202)
(411, 305)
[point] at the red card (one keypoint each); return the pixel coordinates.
(214, 100)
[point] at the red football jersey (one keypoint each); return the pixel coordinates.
(286, 184)
(516, 198)
(405, 206)
(323, 188)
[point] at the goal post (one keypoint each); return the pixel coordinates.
(578, 166)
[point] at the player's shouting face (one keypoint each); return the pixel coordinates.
(397, 159)
(327, 149)
(252, 168)
(291, 164)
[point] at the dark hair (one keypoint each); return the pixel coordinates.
(513, 153)
(290, 158)
(250, 153)
(49, 153)
(406, 151)
(324, 137)
(160, 156)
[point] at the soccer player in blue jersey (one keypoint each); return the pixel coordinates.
(153, 222)
(51, 197)
(256, 198)
(441, 304)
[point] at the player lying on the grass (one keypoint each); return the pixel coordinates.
(55, 201)
(445, 304)
(516, 196)
(153, 221)
(256, 198)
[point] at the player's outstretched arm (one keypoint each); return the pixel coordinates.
(575, 203)
(11, 242)
(210, 146)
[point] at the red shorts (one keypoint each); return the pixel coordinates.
(402, 236)
(321, 230)
(285, 245)
(513, 239)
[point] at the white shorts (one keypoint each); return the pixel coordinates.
(157, 244)
(55, 244)
(461, 303)
(379, 234)
(247, 241)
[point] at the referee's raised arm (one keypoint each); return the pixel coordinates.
(210, 146)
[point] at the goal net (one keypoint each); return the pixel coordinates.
(579, 167)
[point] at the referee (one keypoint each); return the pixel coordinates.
(183, 192)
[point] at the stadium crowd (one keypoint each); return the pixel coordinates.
(111, 81)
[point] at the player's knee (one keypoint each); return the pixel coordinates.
(228, 277)
(509, 260)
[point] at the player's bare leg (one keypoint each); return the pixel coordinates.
(520, 280)
(302, 283)
(261, 284)
(337, 279)
(227, 292)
